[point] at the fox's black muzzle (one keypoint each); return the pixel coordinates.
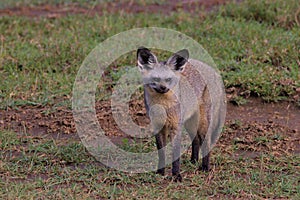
(158, 88)
(161, 89)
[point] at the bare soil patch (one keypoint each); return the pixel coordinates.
(254, 127)
(53, 11)
(285, 114)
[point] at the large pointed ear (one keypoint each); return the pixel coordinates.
(178, 60)
(146, 59)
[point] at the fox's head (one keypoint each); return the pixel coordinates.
(161, 76)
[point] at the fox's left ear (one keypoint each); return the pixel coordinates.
(146, 59)
(178, 60)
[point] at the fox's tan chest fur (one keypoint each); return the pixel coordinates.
(169, 102)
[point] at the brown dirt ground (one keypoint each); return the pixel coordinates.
(54, 11)
(244, 124)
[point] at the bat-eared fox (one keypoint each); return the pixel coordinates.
(176, 96)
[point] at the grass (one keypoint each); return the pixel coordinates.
(255, 44)
(37, 167)
(280, 13)
(40, 57)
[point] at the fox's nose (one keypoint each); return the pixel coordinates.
(162, 87)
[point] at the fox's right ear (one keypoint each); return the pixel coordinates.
(178, 60)
(145, 58)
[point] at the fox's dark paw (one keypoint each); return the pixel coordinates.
(161, 172)
(194, 161)
(204, 168)
(177, 178)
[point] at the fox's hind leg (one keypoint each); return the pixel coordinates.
(195, 149)
(205, 141)
(205, 138)
(205, 148)
(191, 126)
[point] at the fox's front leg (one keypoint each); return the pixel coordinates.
(176, 143)
(161, 143)
(158, 117)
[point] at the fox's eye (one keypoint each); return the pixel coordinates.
(168, 80)
(156, 79)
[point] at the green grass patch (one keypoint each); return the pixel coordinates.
(255, 44)
(279, 13)
(40, 57)
(33, 167)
